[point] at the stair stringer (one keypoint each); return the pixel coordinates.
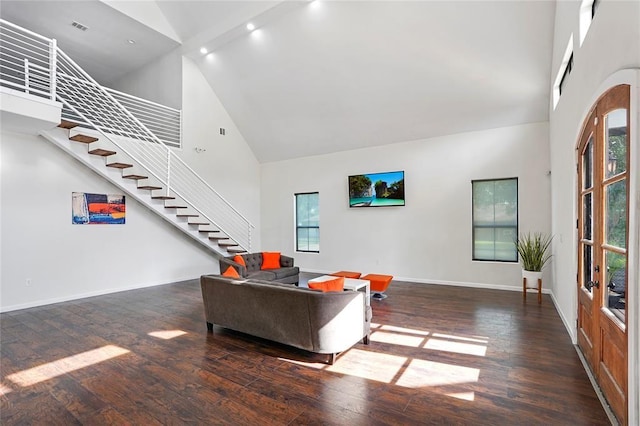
(60, 138)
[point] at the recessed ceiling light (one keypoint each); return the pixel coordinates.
(203, 50)
(250, 26)
(131, 41)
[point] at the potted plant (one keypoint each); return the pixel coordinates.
(533, 249)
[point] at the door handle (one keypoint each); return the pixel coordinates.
(591, 284)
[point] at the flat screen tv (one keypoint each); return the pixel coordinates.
(376, 189)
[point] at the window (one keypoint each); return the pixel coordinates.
(566, 73)
(594, 7)
(308, 222)
(495, 219)
(587, 14)
(563, 72)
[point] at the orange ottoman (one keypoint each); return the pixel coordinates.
(346, 274)
(379, 284)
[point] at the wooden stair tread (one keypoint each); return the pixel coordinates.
(175, 207)
(83, 138)
(208, 230)
(229, 244)
(162, 197)
(150, 187)
(236, 250)
(136, 177)
(102, 152)
(65, 124)
(118, 165)
(218, 237)
(198, 223)
(187, 215)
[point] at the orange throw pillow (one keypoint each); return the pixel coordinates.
(239, 260)
(270, 260)
(231, 273)
(336, 284)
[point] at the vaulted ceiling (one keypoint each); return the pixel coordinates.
(324, 76)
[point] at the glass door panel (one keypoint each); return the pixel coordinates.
(616, 280)
(587, 267)
(616, 128)
(587, 224)
(616, 214)
(587, 165)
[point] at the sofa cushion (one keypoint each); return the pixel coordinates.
(253, 261)
(262, 275)
(336, 284)
(270, 260)
(239, 260)
(285, 272)
(231, 273)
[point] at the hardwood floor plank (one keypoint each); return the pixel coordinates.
(438, 355)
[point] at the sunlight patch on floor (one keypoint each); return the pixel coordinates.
(474, 339)
(310, 364)
(423, 373)
(62, 366)
(396, 339)
(4, 389)
(167, 334)
(466, 396)
(403, 330)
(368, 365)
(457, 347)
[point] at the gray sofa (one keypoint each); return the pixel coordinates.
(326, 323)
(287, 273)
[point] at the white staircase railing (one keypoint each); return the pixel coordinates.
(33, 64)
(165, 122)
(27, 61)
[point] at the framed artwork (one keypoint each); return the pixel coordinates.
(98, 209)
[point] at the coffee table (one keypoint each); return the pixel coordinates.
(350, 284)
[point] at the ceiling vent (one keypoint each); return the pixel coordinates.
(79, 26)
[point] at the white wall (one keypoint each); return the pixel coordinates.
(66, 261)
(612, 44)
(227, 163)
(429, 239)
(158, 81)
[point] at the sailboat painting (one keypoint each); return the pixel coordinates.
(97, 209)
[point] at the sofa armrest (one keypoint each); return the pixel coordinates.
(225, 263)
(286, 261)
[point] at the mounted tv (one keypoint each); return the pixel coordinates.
(376, 189)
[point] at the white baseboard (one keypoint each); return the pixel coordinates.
(567, 323)
(35, 304)
(451, 283)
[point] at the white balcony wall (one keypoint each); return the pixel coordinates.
(158, 81)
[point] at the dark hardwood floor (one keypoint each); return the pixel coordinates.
(438, 355)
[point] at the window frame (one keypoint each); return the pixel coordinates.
(473, 225)
(565, 74)
(298, 228)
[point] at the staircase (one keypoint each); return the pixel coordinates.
(101, 133)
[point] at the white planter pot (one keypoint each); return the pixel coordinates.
(532, 278)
